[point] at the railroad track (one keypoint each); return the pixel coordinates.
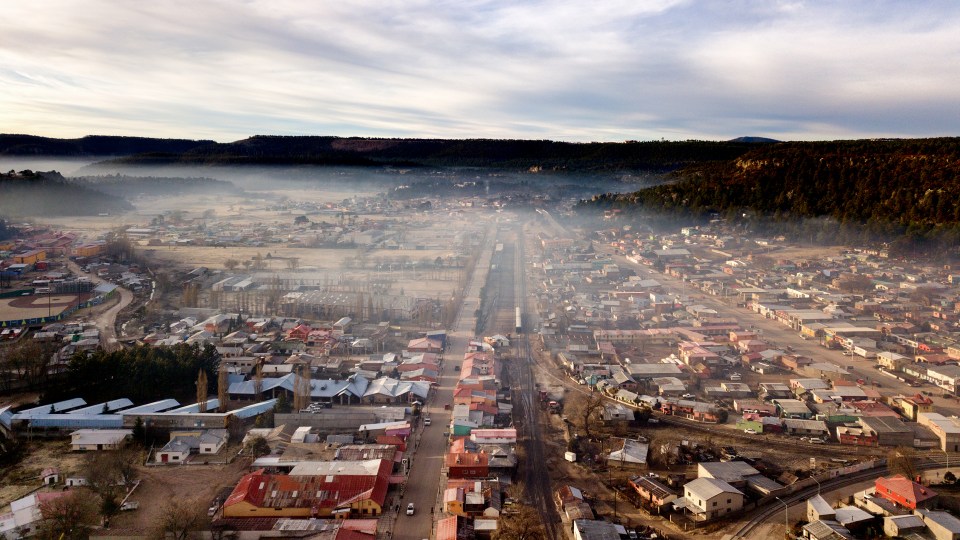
(774, 507)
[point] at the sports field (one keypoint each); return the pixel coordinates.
(37, 305)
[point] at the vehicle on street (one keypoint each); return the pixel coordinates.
(410, 509)
(426, 421)
(750, 431)
(817, 441)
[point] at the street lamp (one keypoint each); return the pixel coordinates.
(786, 525)
(818, 484)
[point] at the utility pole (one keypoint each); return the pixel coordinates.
(786, 525)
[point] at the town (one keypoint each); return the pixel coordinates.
(488, 366)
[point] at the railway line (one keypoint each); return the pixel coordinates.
(772, 509)
(506, 291)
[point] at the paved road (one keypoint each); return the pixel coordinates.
(424, 481)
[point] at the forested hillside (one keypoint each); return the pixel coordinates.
(492, 153)
(91, 145)
(883, 188)
(28, 193)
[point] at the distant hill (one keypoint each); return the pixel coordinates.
(92, 145)
(754, 140)
(659, 156)
(29, 193)
(884, 187)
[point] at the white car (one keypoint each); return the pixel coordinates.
(426, 421)
(750, 431)
(410, 509)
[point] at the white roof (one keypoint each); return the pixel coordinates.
(708, 488)
(323, 468)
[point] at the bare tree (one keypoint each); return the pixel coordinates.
(180, 519)
(902, 460)
(524, 523)
(223, 387)
(231, 264)
(584, 412)
(202, 391)
(258, 382)
(109, 474)
(70, 516)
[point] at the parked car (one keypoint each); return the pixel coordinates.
(750, 431)
(426, 421)
(410, 509)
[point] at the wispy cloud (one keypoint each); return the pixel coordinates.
(570, 70)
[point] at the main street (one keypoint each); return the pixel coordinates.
(427, 445)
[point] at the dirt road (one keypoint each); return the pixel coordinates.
(105, 320)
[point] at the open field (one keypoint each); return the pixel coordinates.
(34, 306)
(160, 485)
(20, 481)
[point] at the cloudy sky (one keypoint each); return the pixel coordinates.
(563, 70)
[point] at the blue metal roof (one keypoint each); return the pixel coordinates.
(255, 409)
(59, 406)
(195, 407)
(111, 406)
(154, 407)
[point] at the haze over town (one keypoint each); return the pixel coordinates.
(496, 270)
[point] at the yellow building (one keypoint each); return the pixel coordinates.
(30, 257)
(88, 250)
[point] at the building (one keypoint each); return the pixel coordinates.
(897, 526)
(709, 498)
(83, 440)
(946, 429)
(652, 492)
(942, 525)
(584, 529)
(888, 431)
(30, 257)
(913, 406)
(313, 489)
(905, 492)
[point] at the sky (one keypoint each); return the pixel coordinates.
(561, 70)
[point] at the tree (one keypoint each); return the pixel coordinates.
(68, 517)
(902, 460)
(109, 474)
(523, 523)
(301, 220)
(230, 264)
(223, 386)
(202, 391)
(257, 446)
(180, 519)
(584, 412)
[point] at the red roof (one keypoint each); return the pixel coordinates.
(904, 489)
(328, 491)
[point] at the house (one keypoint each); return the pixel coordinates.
(819, 509)
(709, 498)
(652, 492)
(914, 405)
(887, 431)
(816, 428)
(83, 440)
(183, 443)
(466, 465)
(905, 492)
(570, 501)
